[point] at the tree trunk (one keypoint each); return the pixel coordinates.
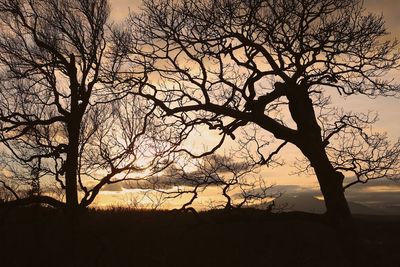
(71, 166)
(331, 185)
(311, 144)
(73, 127)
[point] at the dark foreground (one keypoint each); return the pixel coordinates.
(46, 237)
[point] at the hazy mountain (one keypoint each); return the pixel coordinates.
(309, 203)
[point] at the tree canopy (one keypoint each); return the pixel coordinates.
(60, 122)
(277, 65)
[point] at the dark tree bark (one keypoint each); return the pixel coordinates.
(73, 129)
(311, 144)
(71, 167)
(330, 181)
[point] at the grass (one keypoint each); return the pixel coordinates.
(120, 237)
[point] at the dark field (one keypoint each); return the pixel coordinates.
(46, 237)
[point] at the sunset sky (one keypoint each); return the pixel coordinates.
(199, 133)
(388, 109)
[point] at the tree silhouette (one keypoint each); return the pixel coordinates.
(236, 180)
(274, 64)
(58, 117)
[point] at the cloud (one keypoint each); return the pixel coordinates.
(113, 187)
(164, 182)
(211, 171)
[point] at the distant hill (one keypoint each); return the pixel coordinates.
(309, 203)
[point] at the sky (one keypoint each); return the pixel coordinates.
(387, 108)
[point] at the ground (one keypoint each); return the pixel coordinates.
(121, 237)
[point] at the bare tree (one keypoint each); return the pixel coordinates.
(272, 63)
(236, 180)
(58, 118)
